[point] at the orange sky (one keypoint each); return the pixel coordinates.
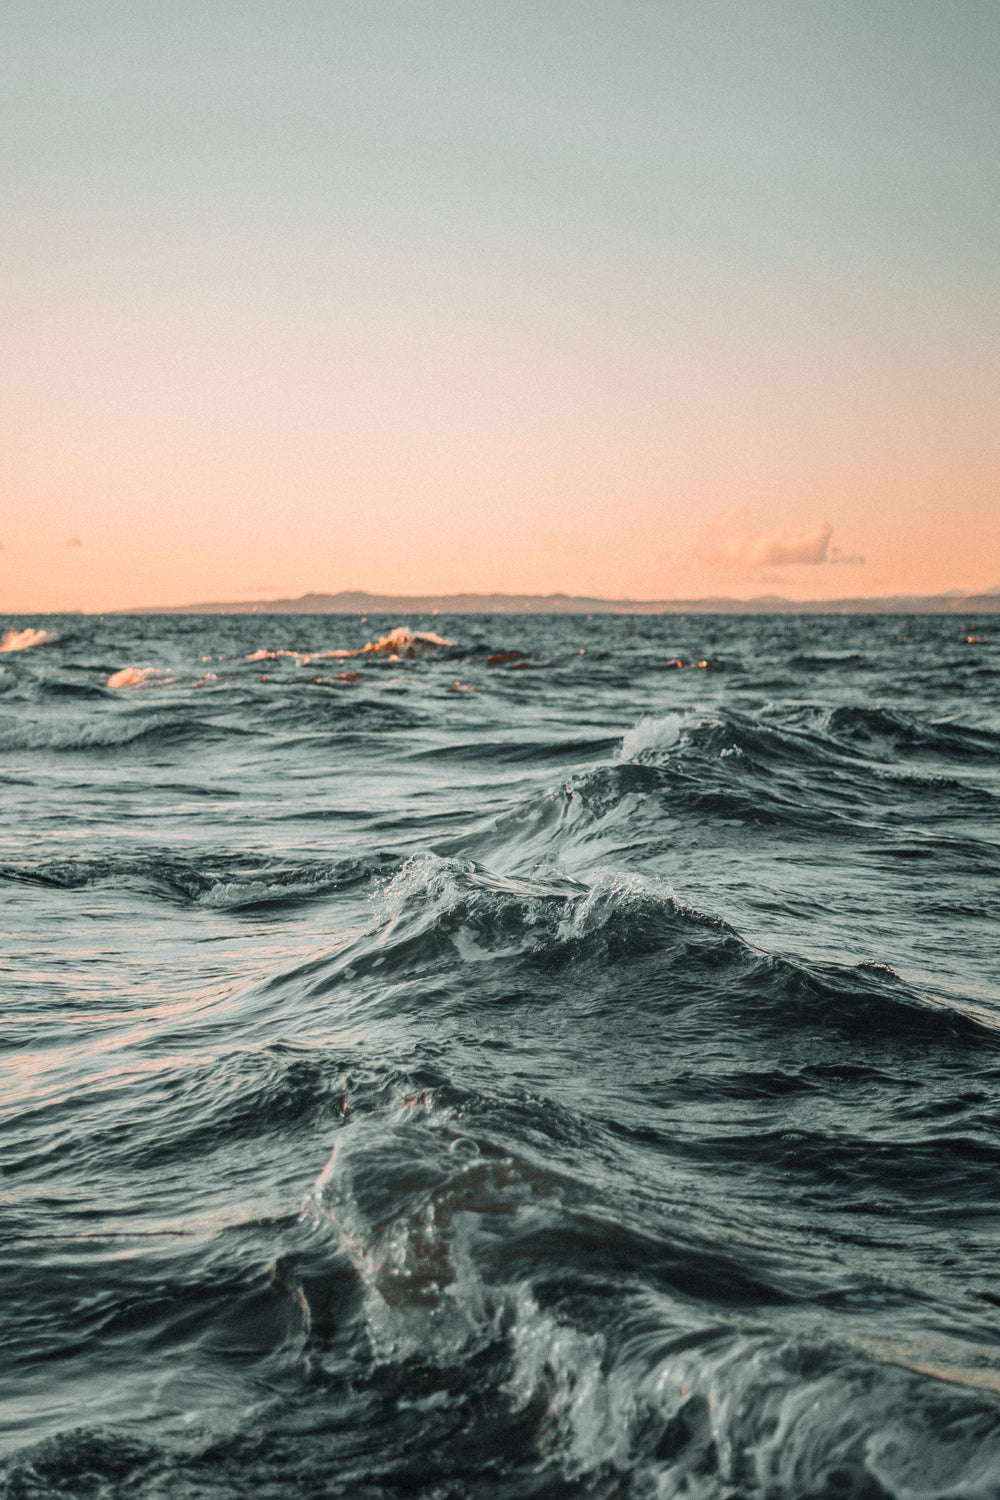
(660, 301)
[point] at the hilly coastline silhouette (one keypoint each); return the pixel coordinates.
(360, 602)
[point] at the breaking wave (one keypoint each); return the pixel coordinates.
(128, 677)
(24, 640)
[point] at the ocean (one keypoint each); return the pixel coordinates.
(487, 1057)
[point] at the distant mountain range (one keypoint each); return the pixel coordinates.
(360, 603)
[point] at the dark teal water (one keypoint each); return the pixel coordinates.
(571, 1075)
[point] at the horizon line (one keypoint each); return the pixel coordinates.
(362, 601)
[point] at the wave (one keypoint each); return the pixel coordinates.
(699, 1412)
(241, 882)
(24, 640)
(400, 644)
(308, 714)
(806, 734)
(119, 733)
(437, 908)
(552, 1409)
(443, 918)
(579, 1272)
(644, 810)
(514, 751)
(805, 768)
(403, 642)
(128, 677)
(468, 1247)
(24, 688)
(891, 733)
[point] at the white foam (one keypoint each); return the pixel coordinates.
(613, 892)
(23, 640)
(404, 642)
(653, 732)
(401, 642)
(137, 677)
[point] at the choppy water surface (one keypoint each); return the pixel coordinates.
(571, 1074)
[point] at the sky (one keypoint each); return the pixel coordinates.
(638, 299)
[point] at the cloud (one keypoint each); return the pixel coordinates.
(72, 541)
(733, 541)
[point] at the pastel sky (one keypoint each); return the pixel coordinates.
(649, 299)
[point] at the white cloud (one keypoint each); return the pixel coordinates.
(733, 541)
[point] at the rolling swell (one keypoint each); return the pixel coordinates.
(684, 782)
(127, 734)
(234, 883)
(580, 1085)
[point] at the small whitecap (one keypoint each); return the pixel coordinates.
(404, 642)
(653, 732)
(137, 677)
(23, 640)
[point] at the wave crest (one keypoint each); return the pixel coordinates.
(24, 640)
(128, 677)
(400, 644)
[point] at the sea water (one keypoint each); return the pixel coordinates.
(500, 1057)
